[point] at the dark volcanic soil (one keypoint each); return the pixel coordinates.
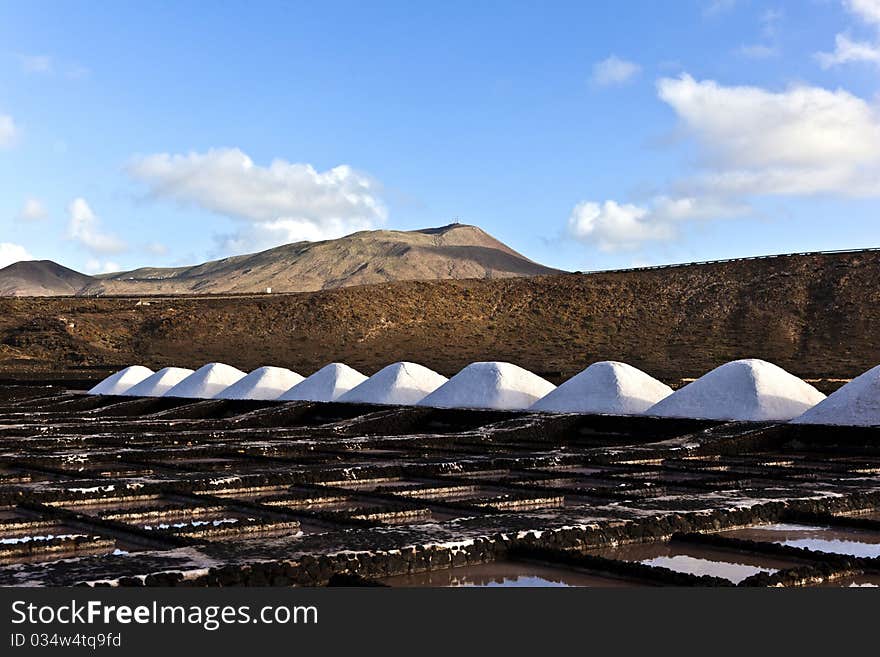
(816, 315)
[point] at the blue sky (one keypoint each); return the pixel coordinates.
(587, 135)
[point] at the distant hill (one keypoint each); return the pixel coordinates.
(454, 251)
(40, 278)
(816, 315)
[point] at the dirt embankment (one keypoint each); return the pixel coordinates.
(817, 316)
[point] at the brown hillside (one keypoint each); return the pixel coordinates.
(815, 315)
(39, 278)
(379, 256)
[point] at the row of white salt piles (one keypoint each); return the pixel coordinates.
(744, 390)
(221, 381)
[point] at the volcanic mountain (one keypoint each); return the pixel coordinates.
(40, 278)
(380, 256)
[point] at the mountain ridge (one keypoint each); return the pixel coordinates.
(453, 251)
(40, 278)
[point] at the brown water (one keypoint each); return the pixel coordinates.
(697, 559)
(506, 574)
(836, 540)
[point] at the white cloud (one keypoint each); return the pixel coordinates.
(33, 210)
(614, 226)
(36, 63)
(804, 140)
(267, 234)
(95, 266)
(8, 131)
(867, 10)
(279, 203)
(751, 142)
(85, 227)
(10, 253)
(846, 49)
(614, 70)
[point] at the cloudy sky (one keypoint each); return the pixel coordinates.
(586, 135)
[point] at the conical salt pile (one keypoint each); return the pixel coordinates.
(605, 387)
(327, 384)
(262, 383)
(159, 383)
(741, 390)
(856, 404)
(118, 383)
(206, 381)
(490, 385)
(398, 384)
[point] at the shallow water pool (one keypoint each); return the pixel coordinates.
(836, 540)
(507, 574)
(697, 559)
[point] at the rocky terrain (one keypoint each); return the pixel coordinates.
(817, 316)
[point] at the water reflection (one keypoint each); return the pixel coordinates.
(836, 540)
(506, 574)
(698, 560)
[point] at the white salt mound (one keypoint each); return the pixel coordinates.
(856, 404)
(118, 383)
(262, 383)
(402, 384)
(159, 383)
(605, 387)
(741, 390)
(206, 381)
(327, 384)
(490, 385)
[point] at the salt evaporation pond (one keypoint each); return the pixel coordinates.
(401, 383)
(263, 383)
(745, 390)
(697, 560)
(855, 404)
(206, 381)
(159, 383)
(118, 383)
(506, 574)
(605, 387)
(836, 540)
(494, 385)
(327, 384)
